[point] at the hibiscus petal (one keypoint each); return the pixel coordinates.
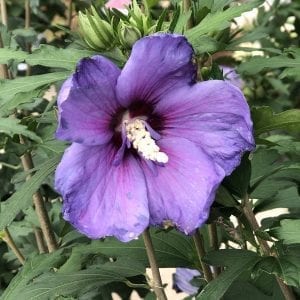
(213, 114)
(87, 102)
(65, 91)
(157, 64)
(183, 278)
(101, 199)
(184, 188)
(232, 76)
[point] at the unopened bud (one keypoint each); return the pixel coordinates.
(128, 35)
(140, 20)
(97, 33)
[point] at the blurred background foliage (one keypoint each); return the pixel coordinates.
(41, 42)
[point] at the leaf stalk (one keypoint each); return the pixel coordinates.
(39, 204)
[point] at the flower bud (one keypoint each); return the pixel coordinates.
(139, 20)
(128, 34)
(97, 33)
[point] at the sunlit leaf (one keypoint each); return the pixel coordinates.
(288, 231)
(9, 88)
(219, 20)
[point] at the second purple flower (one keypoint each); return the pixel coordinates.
(150, 146)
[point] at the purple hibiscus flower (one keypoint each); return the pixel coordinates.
(182, 280)
(232, 76)
(149, 145)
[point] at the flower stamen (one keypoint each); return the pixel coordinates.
(141, 140)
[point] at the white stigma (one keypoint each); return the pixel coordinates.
(142, 141)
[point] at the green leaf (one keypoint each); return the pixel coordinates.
(182, 21)
(33, 267)
(267, 283)
(243, 290)
(284, 144)
(267, 264)
(288, 198)
(175, 17)
(9, 88)
(51, 56)
(288, 231)
(47, 134)
(266, 120)
(278, 85)
(238, 181)
(236, 262)
(282, 178)
(172, 249)
(291, 72)
(6, 54)
(263, 164)
(47, 287)
(268, 170)
(289, 60)
(8, 105)
(219, 20)
(290, 269)
(207, 44)
(25, 35)
(116, 56)
(224, 197)
(7, 38)
(46, 55)
(12, 126)
(286, 267)
(23, 197)
(53, 146)
(151, 3)
(253, 35)
(160, 20)
(43, 278)
(216, 5)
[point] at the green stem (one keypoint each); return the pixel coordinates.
(214, 244)
(69, 13)
(27, 14)
(201, 253)
(4, 164)
(7, 238)
(39, 204)
(27, 163)
(26, 159)
(157, 283)
(4, 74)
(187, 7)
(266, 250)
(27, 26)
(3, 9)
(40, 240)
